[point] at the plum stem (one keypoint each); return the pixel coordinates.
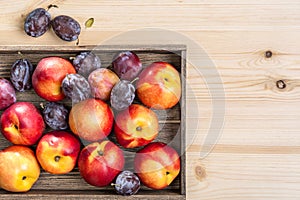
(51, 6)
(134, 80)
(20, 54)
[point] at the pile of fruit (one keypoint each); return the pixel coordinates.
(104, 102)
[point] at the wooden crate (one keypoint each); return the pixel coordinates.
(172, 123)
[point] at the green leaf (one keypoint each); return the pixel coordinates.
(89, 23)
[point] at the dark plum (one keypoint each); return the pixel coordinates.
(56, 115)
(86, 62)
(66, 28)
(122, 95)
(37, 22)
(20, 74)
(127, 183)
(76, 87)
(127, 65)
(7, 93)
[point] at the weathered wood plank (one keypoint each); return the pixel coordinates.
(86, 194)
(73, 181)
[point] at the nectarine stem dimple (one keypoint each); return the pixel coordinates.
(16, 127)
(166, 79)
(100, 153)
(24, 177)
(167, 173)
(138, 128)
(57, 158)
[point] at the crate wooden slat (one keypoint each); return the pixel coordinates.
(172, 122)
(83, 194)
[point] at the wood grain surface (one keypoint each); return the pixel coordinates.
(232, 87)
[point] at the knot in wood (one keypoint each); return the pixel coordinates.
(280, 84)
(200, 172)
(268, 54)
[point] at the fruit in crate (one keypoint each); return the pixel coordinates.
(122, 95)
(7, 94)
(57, 152)
(76, 87)
(127, 65)
(20, 74)
(157, 165)
(159, 86)
(48, 76)
(66, 28)
(19, 169)
(86, 62)
(127, 183)
(91, 119)
(102, 81)
(100, 162)
(22, 123)
(37, 22)
(136, 126)
(56, 115)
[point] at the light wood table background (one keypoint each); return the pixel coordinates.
(257, 155)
